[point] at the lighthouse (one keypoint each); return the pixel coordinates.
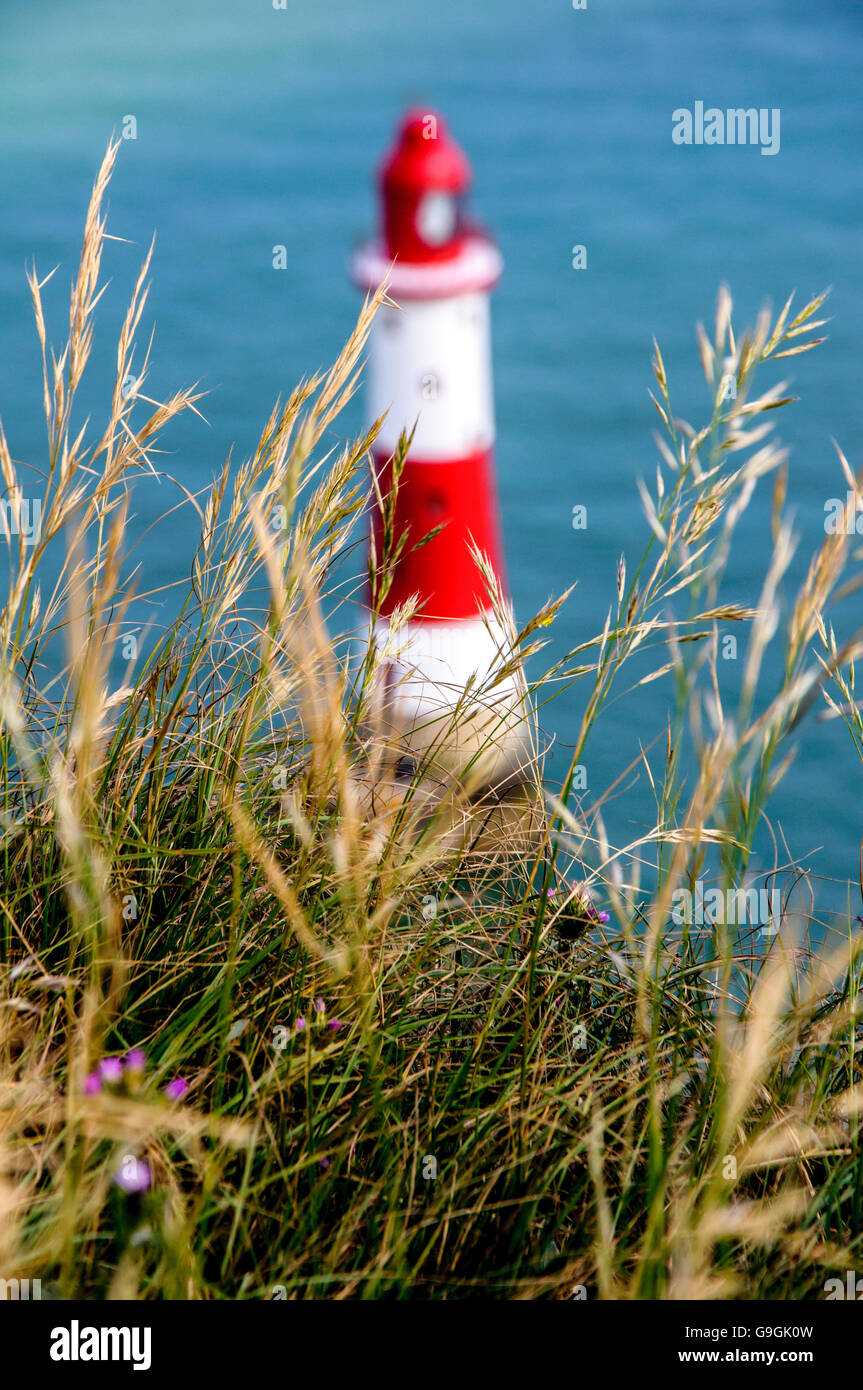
(430, 374)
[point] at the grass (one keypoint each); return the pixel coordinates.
(492, 1089)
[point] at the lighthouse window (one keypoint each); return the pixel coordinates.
(437, 217)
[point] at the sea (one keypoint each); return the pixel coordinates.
(258, 125)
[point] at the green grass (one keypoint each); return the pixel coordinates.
(517, 1101)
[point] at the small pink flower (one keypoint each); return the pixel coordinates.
(176, 1089)
(136, 1060)
(334, 1025)
(93, 1084)
(320, 1006)
(300, 1024)
(111, 1070)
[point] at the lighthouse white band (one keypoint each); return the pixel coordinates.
(477, 267)
(433, 663)
(426, 668)
(430, 364)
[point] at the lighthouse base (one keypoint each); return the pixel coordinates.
(481, 736)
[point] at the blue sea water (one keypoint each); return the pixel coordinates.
(259, 126)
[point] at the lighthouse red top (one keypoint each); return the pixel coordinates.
(427, 248)
(423, 182)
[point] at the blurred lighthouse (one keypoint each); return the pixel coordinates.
(430, 371)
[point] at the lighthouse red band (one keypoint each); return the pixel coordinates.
(430, 371)
(458, 496)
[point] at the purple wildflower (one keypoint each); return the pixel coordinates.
(334, 1025)
(324, 1162)
(176, 1089)
(300, 1024)
(320, 1006)
(136, 1060)
(93, 1084)
(132, 1175)
(111, 1069)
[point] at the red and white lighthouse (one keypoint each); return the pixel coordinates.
(430, 371)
